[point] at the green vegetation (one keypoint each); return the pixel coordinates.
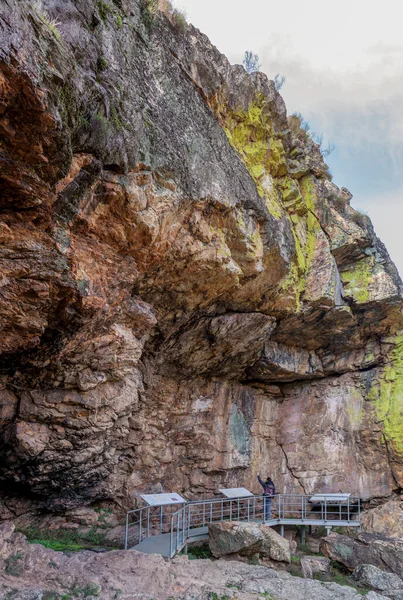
(14, 565)
(196, 552)
(337, 575)
(89, 589)
(66, 539)
(236, 586)
(102, 63)
(178, 20)
(68, 104)
(102, 121)
(51, 24)
(115, 118)
(104, 10)
(149, 11)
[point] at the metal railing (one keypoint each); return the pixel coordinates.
(142, 523)
(192, 518)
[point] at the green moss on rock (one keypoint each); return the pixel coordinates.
(250, 133)
(357, 279)
(305, 228)
(387, 396)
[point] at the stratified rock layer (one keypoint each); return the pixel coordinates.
(185, 296)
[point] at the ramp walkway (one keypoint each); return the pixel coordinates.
(166, 530)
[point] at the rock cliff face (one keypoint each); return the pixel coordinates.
(185, 296)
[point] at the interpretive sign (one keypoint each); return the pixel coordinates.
(236, 492)
(329, 498)
(163, 499)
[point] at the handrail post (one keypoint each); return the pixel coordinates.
(222, 510)
(127, 531)
(325, 511)
(230, 510)
(171, 540)
(141, 526)
(177, 530)
(161, 518)
(204, 512)
(238, 509)
(148, 522)
(248, 509)
(189, 507)
(211, 512)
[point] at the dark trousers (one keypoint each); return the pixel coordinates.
(267, 500)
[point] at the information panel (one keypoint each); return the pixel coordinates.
(236, 492)
(163, 499)
(329, 498)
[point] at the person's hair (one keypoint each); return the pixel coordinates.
(268, 479)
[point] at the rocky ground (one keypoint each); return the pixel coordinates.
(32, 572)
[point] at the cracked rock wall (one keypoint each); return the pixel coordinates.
(185, 296)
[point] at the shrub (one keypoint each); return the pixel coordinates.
(51, 24)
(178, 20)
(104, 9)
(251, 62)
(279, 81)
(360, 219)
(149, 11)
(197, 552)
(102, 63)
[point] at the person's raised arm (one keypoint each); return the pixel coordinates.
(260, 480)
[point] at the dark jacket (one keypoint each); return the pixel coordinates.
(268, 488)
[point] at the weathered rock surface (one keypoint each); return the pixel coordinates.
(365, 549)
(30, 572)
(386, 519)
(314, 564)
(372, 577)
(184, 294)
(247, 539)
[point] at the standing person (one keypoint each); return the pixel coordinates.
(269, 490)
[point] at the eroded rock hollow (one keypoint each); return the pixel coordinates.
(185, 296)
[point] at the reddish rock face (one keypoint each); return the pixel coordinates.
(185, 297)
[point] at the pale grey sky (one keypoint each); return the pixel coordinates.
(343, 63)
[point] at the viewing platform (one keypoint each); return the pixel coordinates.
(166, 529)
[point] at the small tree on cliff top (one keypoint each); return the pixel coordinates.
(251, 62)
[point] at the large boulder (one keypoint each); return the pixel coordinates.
(247, 539)
(386, 519)
(365, 548)
(370, 576)
(314, 564)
